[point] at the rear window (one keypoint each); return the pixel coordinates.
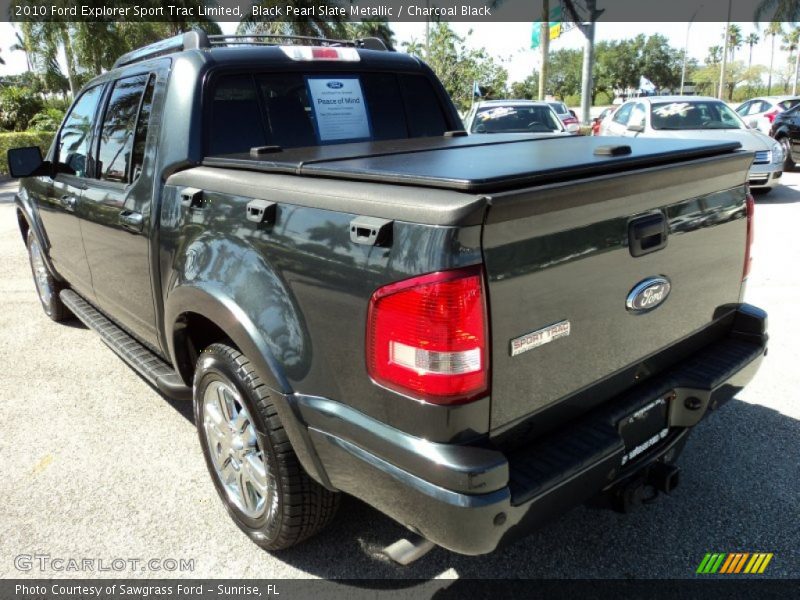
(559, 107)
(292, 110)
(789, 104)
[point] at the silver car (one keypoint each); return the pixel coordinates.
(697, 117)
(513, 116)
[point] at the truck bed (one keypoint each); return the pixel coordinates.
(462, 163)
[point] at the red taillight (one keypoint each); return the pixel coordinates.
(771, 115)
(748, 258)
(426, 337)
(325, 53)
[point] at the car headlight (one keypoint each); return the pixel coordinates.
(777, 153)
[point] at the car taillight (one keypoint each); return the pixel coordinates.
(748, 258)
(771, 115)
(427, 337)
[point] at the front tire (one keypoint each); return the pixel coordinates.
(47, 287)
(788, 162)
(256, 473)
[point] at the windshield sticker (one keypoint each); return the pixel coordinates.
(496, 113)
(676, 108)
(339, 108)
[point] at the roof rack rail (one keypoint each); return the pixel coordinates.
(197, 38)
(272, 39)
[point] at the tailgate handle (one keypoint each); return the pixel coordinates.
(647, 234)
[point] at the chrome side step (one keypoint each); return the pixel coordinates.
(157, 372)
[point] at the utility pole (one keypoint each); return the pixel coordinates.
(686, 48)
(544, 40)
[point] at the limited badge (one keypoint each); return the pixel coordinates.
(540, 337)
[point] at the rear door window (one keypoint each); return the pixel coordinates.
(117, 155)
(292, 110)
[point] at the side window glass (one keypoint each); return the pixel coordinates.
(73, 140)
(621, 116)
(119, 124)
(142, 124)
(637, 115)
(744, 108)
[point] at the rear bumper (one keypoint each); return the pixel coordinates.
(472, 499)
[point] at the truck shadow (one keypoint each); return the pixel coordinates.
(740, 491)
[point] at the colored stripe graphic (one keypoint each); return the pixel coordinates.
(734, 563)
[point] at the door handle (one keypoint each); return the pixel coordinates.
(132, 221)
(69, 201)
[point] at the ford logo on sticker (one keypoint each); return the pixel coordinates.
(335, 85)
(648, 294)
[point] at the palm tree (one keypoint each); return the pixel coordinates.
(792, 41)
(734, 39)
(773, 29)
(751, 40)
(22, 46)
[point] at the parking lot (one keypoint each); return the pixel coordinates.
(96, 464)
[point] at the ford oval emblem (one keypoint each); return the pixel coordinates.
(335, 85)
(648, 294)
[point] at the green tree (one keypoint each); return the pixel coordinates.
(18, 106)
(527, 89)
(564, 74)
(459, 67)
(375, 29)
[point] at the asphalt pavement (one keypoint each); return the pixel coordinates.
(96, 465)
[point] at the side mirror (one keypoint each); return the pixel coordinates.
(636, 128)
(27, 162)
(573, 128)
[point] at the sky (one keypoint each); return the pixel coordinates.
(511, 41)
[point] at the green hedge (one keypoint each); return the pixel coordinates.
(20, 139)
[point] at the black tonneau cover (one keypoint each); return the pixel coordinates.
(476, 163)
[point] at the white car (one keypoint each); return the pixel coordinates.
(698, 117)
(760, 113)
(513, 116)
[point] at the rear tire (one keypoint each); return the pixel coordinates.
(256, 473)
(47, 287)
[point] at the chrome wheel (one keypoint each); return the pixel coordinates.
(239, 461)
(41, 276)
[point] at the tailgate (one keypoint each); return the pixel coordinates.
(558, 257)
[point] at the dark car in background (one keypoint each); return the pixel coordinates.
(786, 130)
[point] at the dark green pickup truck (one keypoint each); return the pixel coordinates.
(471, 334)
